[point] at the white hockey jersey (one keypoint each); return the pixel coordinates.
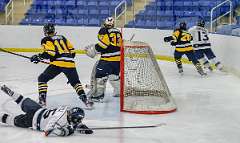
(200, 37)
(52, 119)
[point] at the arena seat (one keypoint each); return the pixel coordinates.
(3, 4)
(176, 9)
(92, 11)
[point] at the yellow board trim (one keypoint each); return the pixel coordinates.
(34, 50)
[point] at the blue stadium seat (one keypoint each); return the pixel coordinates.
(3, 3)
(224, 29)
(150, 24)
(83, 12)
(93, 12)
(70, 3)
(94, 22)
(73, 11)
(139, 23)
(71, 21)
(158, 13)
(81, 3)
(130, 24)
(60, 21)
(105, 12)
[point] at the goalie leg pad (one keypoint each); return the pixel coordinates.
(115, 82)
(100, 89)
(93, 81)
(101, 85)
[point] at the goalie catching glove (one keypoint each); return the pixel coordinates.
(90, 50)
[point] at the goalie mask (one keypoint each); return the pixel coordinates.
(75, 115)
(109, 22)
(49, 29)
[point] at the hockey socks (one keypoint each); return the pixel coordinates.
(42, 89)
(179, 66)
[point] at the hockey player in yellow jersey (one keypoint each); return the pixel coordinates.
(61, 54)
(108, 67)
(181, 40)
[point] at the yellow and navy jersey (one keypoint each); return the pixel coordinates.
(109, 44)
(182, 40)
(59, 50)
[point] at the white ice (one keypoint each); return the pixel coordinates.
(208, 108)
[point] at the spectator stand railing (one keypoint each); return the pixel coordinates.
(122, 4)
(212, 29)
(9, 10)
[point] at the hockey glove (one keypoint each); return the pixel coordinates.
(83, 129)
(168, 39)
(173, 43)
(35, 59)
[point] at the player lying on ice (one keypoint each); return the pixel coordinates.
(61, 121)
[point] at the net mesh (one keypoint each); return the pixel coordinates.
(144, 89)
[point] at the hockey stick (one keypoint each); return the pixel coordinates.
(124, 127)
(20, 55)
(132, 37)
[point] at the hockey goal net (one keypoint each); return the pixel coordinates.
(143, 87)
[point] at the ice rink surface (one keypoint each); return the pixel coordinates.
(208, 108)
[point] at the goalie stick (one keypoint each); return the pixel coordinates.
(20, 55)
(123, 127)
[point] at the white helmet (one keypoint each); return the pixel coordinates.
(109, 22)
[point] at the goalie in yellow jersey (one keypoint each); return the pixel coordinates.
(108, 67)
(61, 54)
